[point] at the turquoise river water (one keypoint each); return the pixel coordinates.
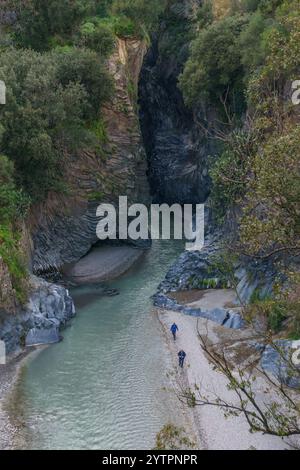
(102, 387)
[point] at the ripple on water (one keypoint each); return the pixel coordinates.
(102, 387)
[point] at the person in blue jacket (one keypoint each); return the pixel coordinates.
(181, 356)
(174, 329)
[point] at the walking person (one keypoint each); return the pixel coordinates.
(181, 356)
(226, 319)
(174, 329)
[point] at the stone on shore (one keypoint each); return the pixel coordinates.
(39, 336)
(49, 308)
(279, 361)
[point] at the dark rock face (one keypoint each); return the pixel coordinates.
(255, 278)
(193, 270)
(7, 15)
(283, 361)
(197, 270)
(176, 148)
(69, 238)
(49, 309)
(66, 239)
(38, 336)
(64, 226)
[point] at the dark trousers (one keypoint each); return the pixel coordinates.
(181, 361)
(174, 335)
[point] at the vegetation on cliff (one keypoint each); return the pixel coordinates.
(54, 64)
(243, 63)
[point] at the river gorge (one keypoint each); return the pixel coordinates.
(147, 102)
(102, 387)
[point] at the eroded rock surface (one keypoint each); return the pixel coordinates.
(64, 227)
(176, 146)
(49, 309)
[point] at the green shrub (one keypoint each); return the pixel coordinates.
(41, 20)
(97, 34)
(270, 219)
(98, 128)
(143, 14)
(10, 253)
(214, 67)
(276, 317)
(50, 97)
(171, 437)
(229, 173)
(13, 202)
(252, 42)
(124, 27)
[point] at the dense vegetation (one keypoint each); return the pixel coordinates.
(53, 62)
(243, 64)
(240, 63)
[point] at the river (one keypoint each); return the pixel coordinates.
(102, 387)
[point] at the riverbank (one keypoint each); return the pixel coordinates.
(103, 264)
(100, 264)
(216, 432)
(9, 375)
(104, 386)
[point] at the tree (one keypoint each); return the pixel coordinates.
(214, 67)
(252, 43)
(271, 215)
(13, 201)
(41, 21)
(97, 35)
(50, 98)
(278, 416)
(144, 13)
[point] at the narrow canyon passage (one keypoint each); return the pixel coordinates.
(103, 386)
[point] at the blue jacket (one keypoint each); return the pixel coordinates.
(174, 328)
(181, 354)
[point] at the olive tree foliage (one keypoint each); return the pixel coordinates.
(41, 21)
(142, 12)
(214, 66)
(270, 222)
(245, 62)
(90, 23)
(278, 414)
(50, 97)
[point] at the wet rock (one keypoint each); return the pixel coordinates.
(224, 317)
(255, 278)
(283, 362)
(49, 309)
(66, 225)
(111, 292)
(176, 146)
(194, 270)
(38, 336)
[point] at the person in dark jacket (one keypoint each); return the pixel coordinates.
(226, 318)
(181, 356)
(174, 329)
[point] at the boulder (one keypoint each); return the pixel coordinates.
(222, 316)
(283, 362)
(38, 336)
(49, 309)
